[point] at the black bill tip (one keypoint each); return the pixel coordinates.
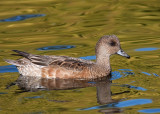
(128, 57)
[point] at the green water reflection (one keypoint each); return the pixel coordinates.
(81, 24)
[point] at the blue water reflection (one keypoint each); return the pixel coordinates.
(58, 47)
(8, 68)
(125, 69)
(34, 97)
(132, 102)
(117, 74)
(146, 73)
(93, 57)
(133, 87)
(156, 110)
(156, 74)
(128, 73)
(3, 93)
(21, 17)
(146, 49)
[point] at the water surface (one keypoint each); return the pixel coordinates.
(21, 17)
(135, 81)
(59, 47)
(147, 49)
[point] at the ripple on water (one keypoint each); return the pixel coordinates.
(147, 49)
(34, 97)
(21, 17)
(133, 87)
(58, 47)
(146, 73)
(117, 74)
(127, 103)
(155, 74)
(125, 69)
(3, 93)
(155, 110)
(8, 68)
(41, 112)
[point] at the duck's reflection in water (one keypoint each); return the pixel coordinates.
(104, 95)
(103, 86)
(29, 83)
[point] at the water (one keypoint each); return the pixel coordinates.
(35, 25)
(60, 47)
(156, 110)
(21, 17)
(89, 57)
(146, 49)
(8, 68)
(121, 104)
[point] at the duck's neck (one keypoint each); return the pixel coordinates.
(103, 61)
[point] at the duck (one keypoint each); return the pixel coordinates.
(65, 67)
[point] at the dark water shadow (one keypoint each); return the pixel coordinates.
(21, 17)
(58, 47)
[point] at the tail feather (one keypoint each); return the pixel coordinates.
(13, 62)
(30, 58)
(21, 53)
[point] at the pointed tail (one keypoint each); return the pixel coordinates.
(21, 53)
(18, 62)
(13, 62)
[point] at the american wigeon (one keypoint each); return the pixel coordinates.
(69, 67)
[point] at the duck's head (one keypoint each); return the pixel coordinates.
(109, 45)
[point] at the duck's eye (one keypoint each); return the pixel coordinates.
(112, 43)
